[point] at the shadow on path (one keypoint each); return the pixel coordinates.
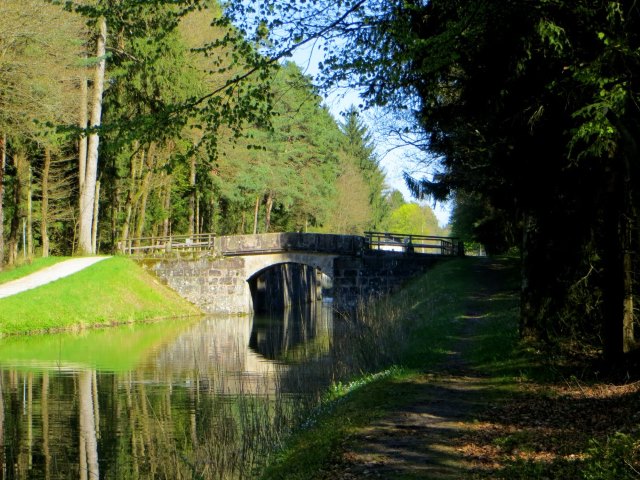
(426, 438)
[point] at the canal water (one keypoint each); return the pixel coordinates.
(206, 398)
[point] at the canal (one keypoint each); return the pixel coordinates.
(207, 398)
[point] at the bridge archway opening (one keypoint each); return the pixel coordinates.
(281, 285)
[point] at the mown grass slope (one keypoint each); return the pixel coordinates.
(116, 290)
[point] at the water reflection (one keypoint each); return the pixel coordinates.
(300, 333)
(166, 400)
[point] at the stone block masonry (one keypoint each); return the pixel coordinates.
(376, 273)
(275, 270)
(214, 285)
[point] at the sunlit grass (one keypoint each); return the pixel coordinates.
(27, 268)
(112, 291)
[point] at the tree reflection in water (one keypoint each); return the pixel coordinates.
(195, 402)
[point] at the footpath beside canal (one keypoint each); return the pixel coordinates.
(47, 275)
(472, 402)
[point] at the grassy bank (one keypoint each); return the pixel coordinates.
(431, 311)
(115, 290)
(535, 417)
(24, 269)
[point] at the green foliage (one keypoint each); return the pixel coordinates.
(184, 86)
(477, 223)
(360, 149)
(616, 458)
(530, 109)
(413, 218)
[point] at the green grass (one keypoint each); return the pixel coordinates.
(435, 307)
(112, 291)
(346, 408)
(18, 271)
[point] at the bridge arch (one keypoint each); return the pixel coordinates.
(281, 279)
(256, 263)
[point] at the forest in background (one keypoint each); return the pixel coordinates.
(527, 116)
(131, 119)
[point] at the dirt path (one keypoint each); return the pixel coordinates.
(426, 439)
(47, 275)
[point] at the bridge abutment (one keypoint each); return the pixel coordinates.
(375, 274)
(214, 285)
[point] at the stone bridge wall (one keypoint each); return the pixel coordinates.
(225, 284)
(214, 285)
(375, 274)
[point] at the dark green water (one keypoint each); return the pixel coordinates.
(176, 399)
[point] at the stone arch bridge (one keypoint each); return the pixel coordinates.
(244, 273)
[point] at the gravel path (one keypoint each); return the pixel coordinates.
(47, 275)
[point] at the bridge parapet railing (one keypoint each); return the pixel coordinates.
(409, 243)
(288, 242)
(159, 245)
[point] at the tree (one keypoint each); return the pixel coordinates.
(411, 218)
(529, 106)
(36, 73)
(290, 165)
(352, 213)
(358, 145)
(89, 166)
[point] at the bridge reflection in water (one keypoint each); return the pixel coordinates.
(207, 399)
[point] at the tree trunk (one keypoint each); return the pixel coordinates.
(82, 123)
(29, 245)
(88, 439)
(44, 413)
(613, 287)
(88, 191)
(94, 226)
(3, 160)
(198, 219)
(268, 208)
(255, 216)
(18, 211)
(529, 328)
(620, 247)
(142, 208)
(166, 222)
(115, 211)
(630, 240)
(192, 196)
(211, 224)
(128, 206)
(44, 206)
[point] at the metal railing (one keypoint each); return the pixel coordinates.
(149, 245)
(384, 241)
(408, 243)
